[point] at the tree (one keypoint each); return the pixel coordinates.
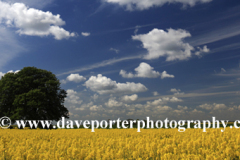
(32, 94)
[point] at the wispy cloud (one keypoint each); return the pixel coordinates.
(99, 9)
(100, 64)
(115, 50)
(132, 5)
(232, 46)
(216, 35)
(231, 73)
(189, 95)
(126, 29)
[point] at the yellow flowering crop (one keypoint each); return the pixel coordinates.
(109, 144)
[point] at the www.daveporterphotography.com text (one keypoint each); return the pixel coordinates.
(182, 125)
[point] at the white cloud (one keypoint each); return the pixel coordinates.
(227, 31)
(176, 91)
(144, 70)
(178, 112)
(201, 51)
(84, 106)
(169, 44)
(127, 98)
(124, 74)
(72, 97)
(162, 109)
(86, 34)
(223, 70)
(155, 93)
(164, 100)
(213, 106)
(115, 50)
(70, 113)
(63, 81)
(206, 106)
(166, 75)
(96, 108)
(234, 107)
(182, 108)
(76, 78)
(136, 29)
(11, 71)
(104, 85)
(95, 97)
(101, 64)
(174, 99)
(76, 115)
(195, 111)
(73, 78)
(32, 22)
(146, 4)
(112, 102)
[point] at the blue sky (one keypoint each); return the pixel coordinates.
(176, 59)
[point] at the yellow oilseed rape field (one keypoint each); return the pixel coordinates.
(73, 144)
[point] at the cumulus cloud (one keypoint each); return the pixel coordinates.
(85, 34)
(72, 97)
(95, 97)
(234, 108)
(144, 70)
(32, 22)
(104, 85)
(76, 78)
(166, 75)
(213, 106)
(176, 91)
(146, 4)
(201, 51)
(169, 44)
(155, 93)
(112, 102)
(11, 71)
(162, 108)
(73, 78)
(96, 108)
(84, 106)
(195, 111)
(70, 113)
(127, 98)
(164, 100)
(124, 74)
(182, 108)
(174, 99)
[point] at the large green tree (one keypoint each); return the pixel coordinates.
(32, 94)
